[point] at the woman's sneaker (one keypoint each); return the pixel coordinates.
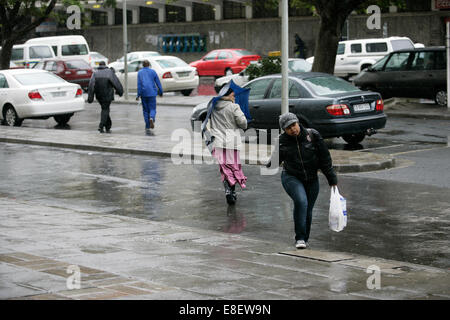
(300, 244)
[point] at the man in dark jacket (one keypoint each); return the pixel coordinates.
(302, 152)
(103, 83)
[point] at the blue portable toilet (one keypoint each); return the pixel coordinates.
(164, 44)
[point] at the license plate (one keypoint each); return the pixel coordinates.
(59, 94)
(183, 74)
(82, 72)
(361, 107)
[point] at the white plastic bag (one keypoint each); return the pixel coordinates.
(337, 217)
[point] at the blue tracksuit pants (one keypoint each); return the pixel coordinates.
(148, 109)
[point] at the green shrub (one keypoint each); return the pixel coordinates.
(266, 66)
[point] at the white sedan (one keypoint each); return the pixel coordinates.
(174, 74)
(37, 94)
(131, 56)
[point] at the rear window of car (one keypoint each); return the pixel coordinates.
(244, 53)
(97, 56)
(299, 66)
(151, 54)
(39, 52)
(329, 85)
(27, 79)
(401, 44)
(77, 64)
(17, 54)
(376, 47)
(74, 50)
(171, 63)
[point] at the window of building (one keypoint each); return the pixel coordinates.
(262, 9)
(148, 15)
(233, 10)
(202, 12)
(175, 14)
(99, 18)
(118, 13)
(296, 12)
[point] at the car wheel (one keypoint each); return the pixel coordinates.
(11, 118)
(365, 66)
(186, 92)
(228, 72)
(441, 97)
(354, 138)
(62, 119)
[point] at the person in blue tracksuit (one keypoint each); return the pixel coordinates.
(149, 87)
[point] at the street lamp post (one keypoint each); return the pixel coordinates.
(284, 57)
(125, 47)
(447, 44)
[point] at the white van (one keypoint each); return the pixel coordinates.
(66, 47)
(355, 55)
(28, 55)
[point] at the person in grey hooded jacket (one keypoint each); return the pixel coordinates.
(225, 121)
(103, 83)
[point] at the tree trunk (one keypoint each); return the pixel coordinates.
(326, 45)
(333, 14)
(12, 31)
(5, 57)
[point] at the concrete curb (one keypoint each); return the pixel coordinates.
(402, 114)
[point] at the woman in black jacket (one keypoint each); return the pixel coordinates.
(302, 152)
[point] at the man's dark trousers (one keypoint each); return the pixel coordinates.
(105, 119)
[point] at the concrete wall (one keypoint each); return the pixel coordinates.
(263, 35)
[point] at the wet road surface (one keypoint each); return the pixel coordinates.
(395, 214)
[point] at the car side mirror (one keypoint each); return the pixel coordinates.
(370, 69)
(241, 73)
(122, 71)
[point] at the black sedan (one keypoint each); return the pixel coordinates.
(412, 73)
(321, 101)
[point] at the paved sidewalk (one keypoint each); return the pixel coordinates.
(126, 258)
(415, 108)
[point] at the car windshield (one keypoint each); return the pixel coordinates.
(299, 66)
(77, 64)
(74, 50)
(171, 63)
(27, 79)
(341, 48)
(244, 53)
(329, 85)
(380, 63)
